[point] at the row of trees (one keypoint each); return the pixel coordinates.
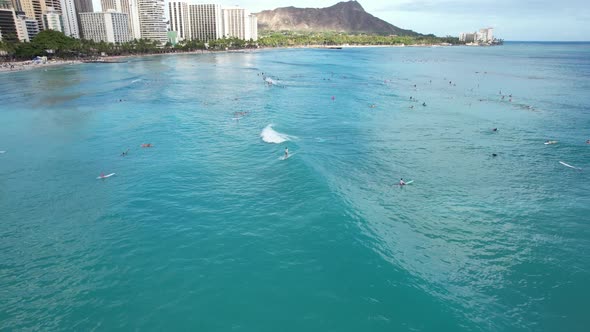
(56, 44)
(286, 38)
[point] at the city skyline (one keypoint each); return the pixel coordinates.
(511, 20)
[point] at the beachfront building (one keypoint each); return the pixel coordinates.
(52, 20)
(151, 20)
(467, 37)
(129, 7)
(32, 27)
(34, 9)
(70, 18)
(8, 23)
(111, 26)
(55, 4)
(83, 6)
(237, 23)
(21, 27)
(179, 19)
(205, 21)
(16, 5)
(485, 35)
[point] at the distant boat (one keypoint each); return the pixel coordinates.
(335, 48)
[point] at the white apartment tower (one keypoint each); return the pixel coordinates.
(237, 23)
(21, 28)
(129, 7)
(52, 20)
(70, 18)
(151, 20)
(112, 27)
(179, 19)
(205, 22)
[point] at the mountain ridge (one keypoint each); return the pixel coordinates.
(349, 17)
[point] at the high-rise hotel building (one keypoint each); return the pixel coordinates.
(211, 21)
(129, 7)
(111, 26)
(70, 18)
(151, 20)
(205, 21)
(179, 21)
(237, 23)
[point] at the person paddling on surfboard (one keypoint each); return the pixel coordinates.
(401, 182)
(102, 175)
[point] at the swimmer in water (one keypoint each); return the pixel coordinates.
(495, 129)
(146, 145)
(125, 153)
(424, 104)
(494, 155)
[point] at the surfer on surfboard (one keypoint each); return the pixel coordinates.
(401, 182)
(286, 152)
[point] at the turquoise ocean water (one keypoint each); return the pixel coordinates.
(209, 230)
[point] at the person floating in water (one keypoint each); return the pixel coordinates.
(401, 182)
(125, 153)
(588, 141)
(494, 155)
(286, 152)
(495, 129)
(147, 145)
(424, 104)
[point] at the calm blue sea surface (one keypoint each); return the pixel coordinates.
(209, 230)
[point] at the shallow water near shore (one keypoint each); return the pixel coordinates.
(210, 230)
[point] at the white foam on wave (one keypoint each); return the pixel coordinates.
(269, 135)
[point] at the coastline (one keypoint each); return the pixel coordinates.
(17, 66)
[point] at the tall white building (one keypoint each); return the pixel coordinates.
(52, 20)
(112, 27)
(70, 18)
(237, 23)
(253, 27)
(205, 21)
(151, 20)
(485, 35)
(179, 19)
(129, 7)
(21, 28)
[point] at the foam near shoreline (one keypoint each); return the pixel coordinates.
(8, 67)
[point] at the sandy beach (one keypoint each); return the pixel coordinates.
(7, 67)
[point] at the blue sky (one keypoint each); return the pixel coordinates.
(512, 19)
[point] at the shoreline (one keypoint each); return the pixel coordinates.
(18, 66)
(26, 65)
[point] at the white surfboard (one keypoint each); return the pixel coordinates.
(570, 166)
(290, 155)
(550, 142)
(106, 176)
